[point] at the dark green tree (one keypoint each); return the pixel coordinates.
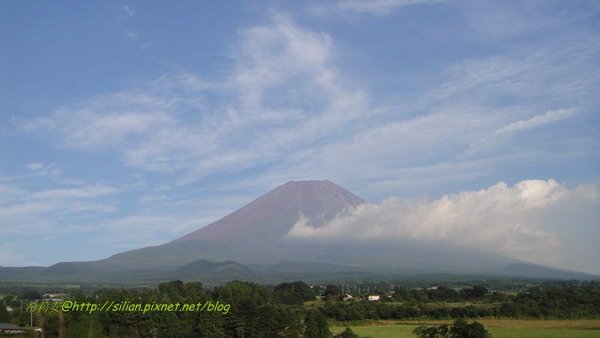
(295, 293)
(210, 325)
(347, 333)
(248, 306)
(474, 292)
(401, 294)
(439, 331)
(316, 325)
(4, 315)
(460, 329)
(31, 295)
(332, 290)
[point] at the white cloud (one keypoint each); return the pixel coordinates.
(379, 7)
(281, 94)
(501, 135)
(22, 210)
(44, 169)
(548, 117)
(85, 191)
(284, 101)
(131, 35)
(560, 73)
(285, 79)
(97, 128)
(500, 219)
(128, 11)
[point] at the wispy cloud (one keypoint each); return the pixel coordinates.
(131, 35)
(128, 11)
(44, 169)
(379, 7)
(23, 210)
(549, 73)
(86, 191)
(282, 100)
(499, 136)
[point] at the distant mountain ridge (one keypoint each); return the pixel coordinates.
(251, 243)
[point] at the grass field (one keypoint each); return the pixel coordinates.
(496, 327)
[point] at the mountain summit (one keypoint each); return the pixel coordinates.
(274, 213)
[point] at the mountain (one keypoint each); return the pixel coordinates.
(544, 272)
(270, 216)
(206, 269)
(251, 243)
(254, 234)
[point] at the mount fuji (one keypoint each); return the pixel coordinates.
(253, 243)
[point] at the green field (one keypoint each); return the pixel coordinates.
(496, 327)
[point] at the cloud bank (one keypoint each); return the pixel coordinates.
(501, 219)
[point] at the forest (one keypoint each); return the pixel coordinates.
(291, 309)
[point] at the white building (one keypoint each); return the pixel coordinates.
(373, 297)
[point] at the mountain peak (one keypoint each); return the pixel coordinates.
(274, 213)
(309, 182)
(314, 184)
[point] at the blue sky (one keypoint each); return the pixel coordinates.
(127, 124)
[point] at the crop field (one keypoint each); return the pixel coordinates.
(496, 327)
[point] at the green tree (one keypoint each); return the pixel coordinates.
(31, 295)
(440, 331)
(316, 325)
(332, 290)
(347, 333)
(475, 292)
(210, 325)
(4, 315)
(247, 300)
(401, 294)
(294, 293)
(460, 329)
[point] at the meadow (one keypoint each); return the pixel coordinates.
(496, 327)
